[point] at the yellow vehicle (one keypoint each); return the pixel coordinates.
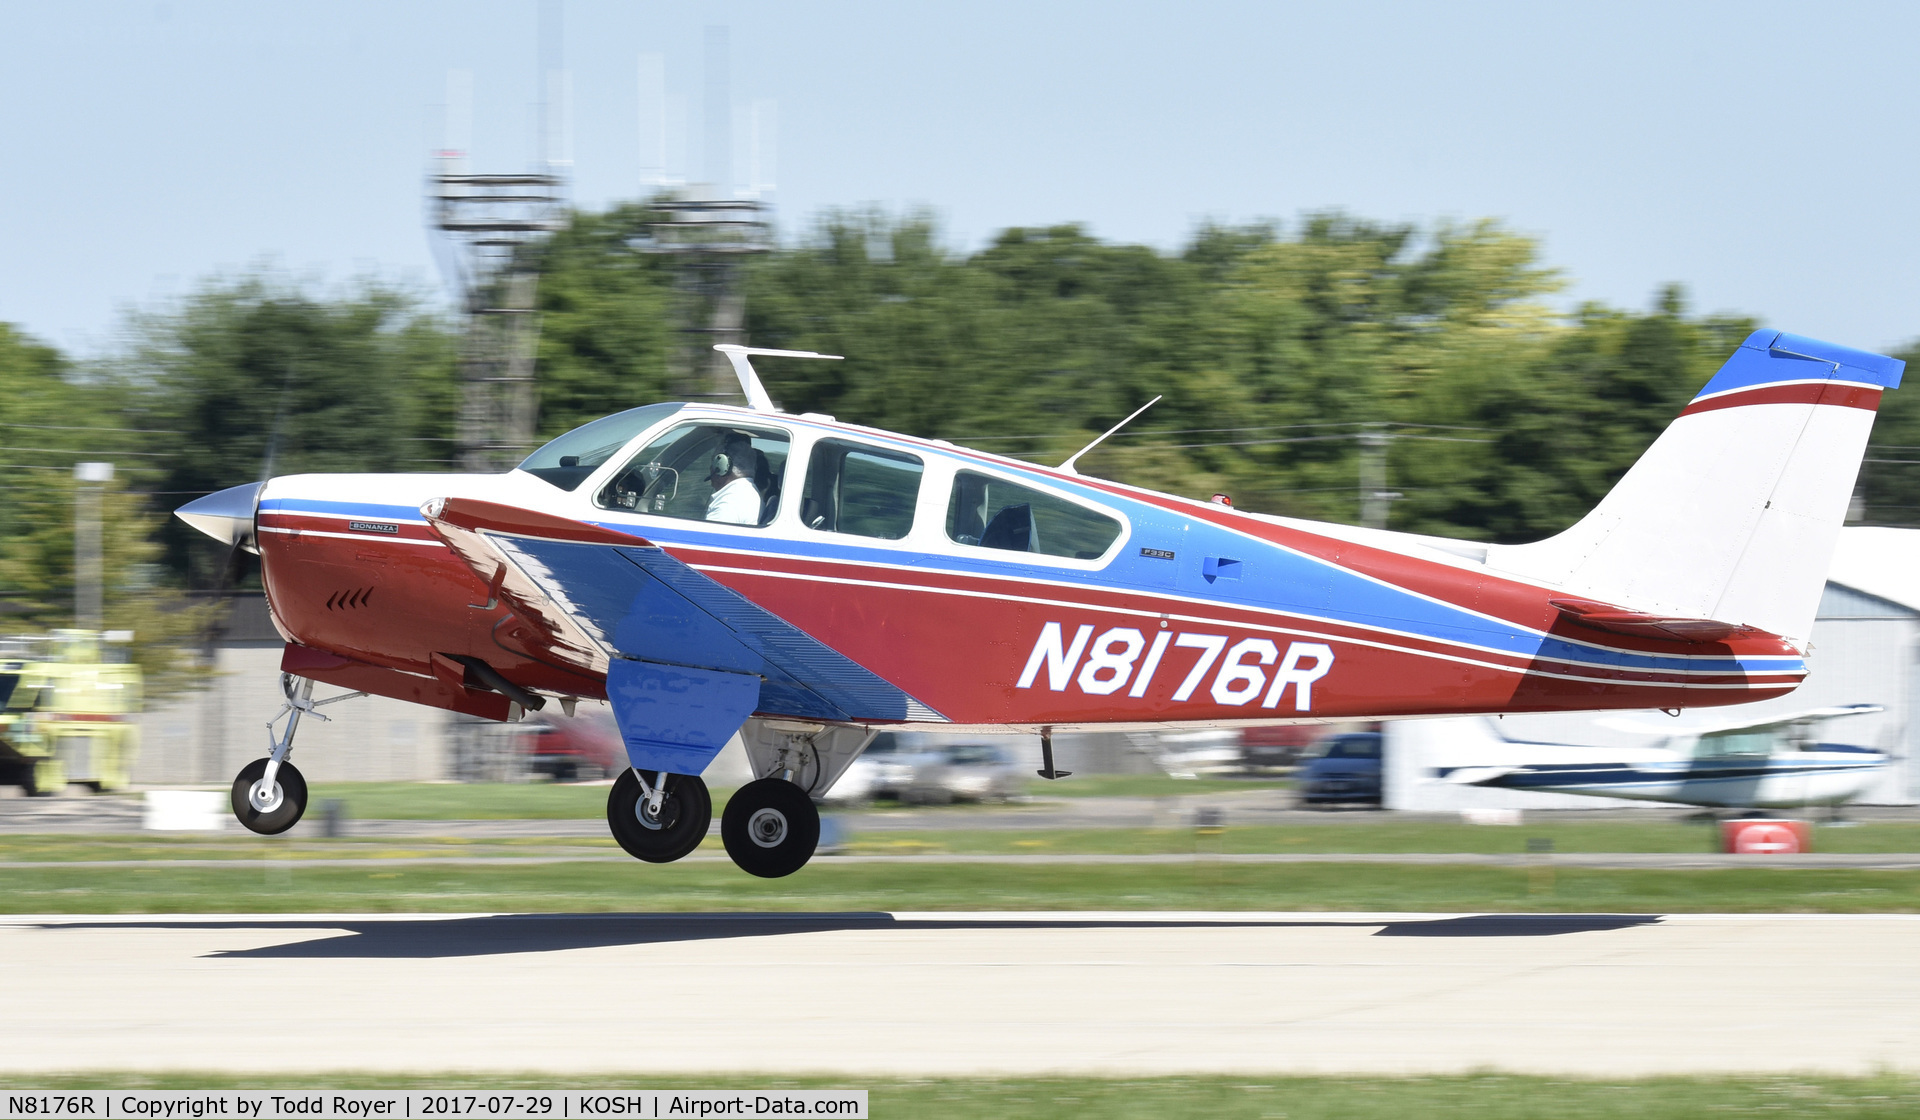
(70, 712)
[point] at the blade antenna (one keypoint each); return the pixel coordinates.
(1071, 459)
(756, 393)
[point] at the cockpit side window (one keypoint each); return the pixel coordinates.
(859, 489)
(1734, 744)
(567, 460)
(721, 473)
(990, 512)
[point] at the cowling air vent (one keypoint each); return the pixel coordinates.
(349, 600)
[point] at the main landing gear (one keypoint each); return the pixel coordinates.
(269, 794)
(659, 820)
(770, 828)
(770, 825)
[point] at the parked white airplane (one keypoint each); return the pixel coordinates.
(1773, 762)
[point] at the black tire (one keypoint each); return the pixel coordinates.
(685, 813)
(770, 828)
(293, 798)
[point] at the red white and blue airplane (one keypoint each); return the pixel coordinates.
(806, 582)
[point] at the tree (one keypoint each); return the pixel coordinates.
(254, 376)
(51, 418)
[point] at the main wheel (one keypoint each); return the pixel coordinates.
(275, 810)
(770, 828)
(685, 813)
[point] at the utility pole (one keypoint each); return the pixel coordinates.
(1375, 498)
(89, 570)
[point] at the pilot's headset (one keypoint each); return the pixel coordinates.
(737, 448)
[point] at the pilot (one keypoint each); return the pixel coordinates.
(735, 500)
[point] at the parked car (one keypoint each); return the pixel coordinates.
(905, 767)
(883, 771)
(1343, 768)
(967, 772)
(570, 749)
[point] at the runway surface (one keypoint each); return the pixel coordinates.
(1119, 993)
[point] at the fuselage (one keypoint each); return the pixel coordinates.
(1101, 605)
(1821, 774)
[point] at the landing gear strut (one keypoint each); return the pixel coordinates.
(659, 820)
(269, 794)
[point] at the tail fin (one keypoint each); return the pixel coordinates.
(1733, 513)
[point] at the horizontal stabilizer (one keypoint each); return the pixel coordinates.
(1618, 620)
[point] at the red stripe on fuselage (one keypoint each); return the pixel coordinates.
(1844, 394)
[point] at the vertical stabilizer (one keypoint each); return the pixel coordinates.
(1733, 513)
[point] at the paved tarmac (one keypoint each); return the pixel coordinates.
(907, 994)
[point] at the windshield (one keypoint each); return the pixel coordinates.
(567, 461)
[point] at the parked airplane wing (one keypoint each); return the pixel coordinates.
(604, 597)
(1764, 723)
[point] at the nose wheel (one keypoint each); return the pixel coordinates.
(269, 808)
(770, 828)
(659, 835)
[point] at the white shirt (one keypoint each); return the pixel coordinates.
(736, 503)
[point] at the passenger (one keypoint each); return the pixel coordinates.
(735, 500)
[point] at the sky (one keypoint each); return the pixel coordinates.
(1760, 154)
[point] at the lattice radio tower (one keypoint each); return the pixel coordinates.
(489, 226)
(710, 230)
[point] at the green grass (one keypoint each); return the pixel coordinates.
(237, 845)
(268, 886)
(1354, 835)
(1476, 1096)
(462, 801)
(1371, 834)
(477, 801)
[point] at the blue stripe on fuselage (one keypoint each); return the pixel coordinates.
(1272, 577)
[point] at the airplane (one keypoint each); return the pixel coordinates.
(1761, 762)
(806, 582)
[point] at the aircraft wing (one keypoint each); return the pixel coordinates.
(603, 600)
(1764, 723)
(1478, 775)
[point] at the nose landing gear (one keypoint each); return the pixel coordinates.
(269, 808)
(269, 795)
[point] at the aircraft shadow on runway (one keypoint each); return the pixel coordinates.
(425, 938)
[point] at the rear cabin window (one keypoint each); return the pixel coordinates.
(989, 512)
(866, 491)
(720, 473)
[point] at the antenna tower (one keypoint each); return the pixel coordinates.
(709, 235)
(490, 225)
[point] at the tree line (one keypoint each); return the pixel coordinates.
(1281, 355)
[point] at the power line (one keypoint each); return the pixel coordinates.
(65, 428)
(1144, 432)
